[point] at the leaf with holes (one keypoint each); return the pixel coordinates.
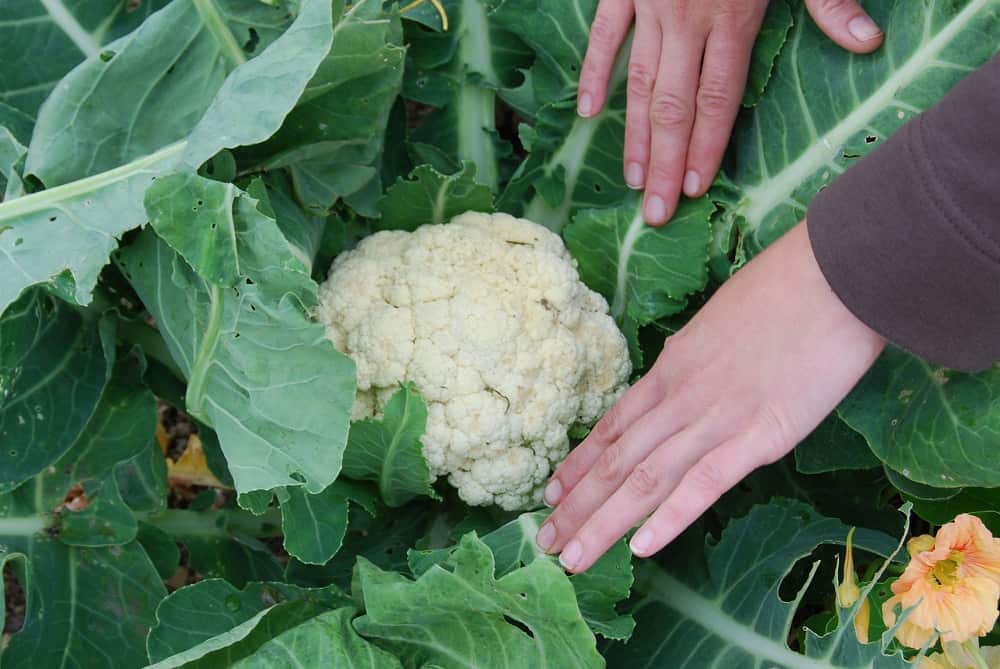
(328, 640)
(213, 624)
(458, 71)
(461, 612)
(729, 613)
(825, 107)
(42, 40)
(54, 366)
(934, 426)
(331, 151)
(96, 165)
(102, 598)
(599, 590)
(250, 353)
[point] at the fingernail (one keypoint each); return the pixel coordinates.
(633, 175)
(553, 491)
(692, 183)
(656, 209)
(584, 105)
(546, 536)
(863, 28)
(570, 556)
(641, 543)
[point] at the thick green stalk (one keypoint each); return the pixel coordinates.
(477, 103)
(220, 523)
(203, 361)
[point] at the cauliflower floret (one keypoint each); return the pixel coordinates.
(488, 318)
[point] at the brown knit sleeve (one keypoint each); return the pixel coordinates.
(909, 237)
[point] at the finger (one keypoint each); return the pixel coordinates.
(671, 116)
(846, 24)
(607, 32)
(707, 480)
(648, 484)
(638, 400)
(608, 474)
(642, 65)
(723, 77)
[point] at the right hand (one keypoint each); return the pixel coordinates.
(687, 71)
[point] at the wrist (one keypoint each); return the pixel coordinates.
(839, 314)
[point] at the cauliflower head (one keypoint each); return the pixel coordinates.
(488, 318)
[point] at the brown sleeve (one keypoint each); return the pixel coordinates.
(909, 237)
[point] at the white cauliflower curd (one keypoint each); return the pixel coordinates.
(487, 317)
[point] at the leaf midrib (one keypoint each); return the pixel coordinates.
(22, 526)
(572, 152)
(632, 235)
(68, 23)
(706, 613)
(205, 356)
(761, 199)
(35, 202)
(385, 476)
(216, 25)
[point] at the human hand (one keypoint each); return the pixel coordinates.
(687, 71)
(752, 374)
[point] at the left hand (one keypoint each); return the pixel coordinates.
(754, 372)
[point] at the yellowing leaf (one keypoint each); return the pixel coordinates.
(191, 468)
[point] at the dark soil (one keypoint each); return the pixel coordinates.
(178, 426)
(14, 603)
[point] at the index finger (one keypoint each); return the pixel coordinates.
(607, 32)
(638, 400)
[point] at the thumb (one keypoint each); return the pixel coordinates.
(847, 24)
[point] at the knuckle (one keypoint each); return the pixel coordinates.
(678, 346)
(563, 517)
(594, 68)
(609, 465)
(737, 12)
(640, 80)
(609, 427)
(669, 509)
(714, 99)
(602, 32)
(831, 6)
(660, 172)
(682, 10)
(680, 369)
(644, 480)
(670, 345)
(708, 477)
(774, 432)
(670, 111)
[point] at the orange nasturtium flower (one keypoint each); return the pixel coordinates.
(952, 583)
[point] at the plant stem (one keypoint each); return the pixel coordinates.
(219, 523)
(23, 526)
(203, 360)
